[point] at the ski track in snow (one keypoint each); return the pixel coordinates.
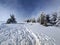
(19, 34)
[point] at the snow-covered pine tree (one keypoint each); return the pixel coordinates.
(47, 18)
(53, 20)
(42, 18)
(11, 19)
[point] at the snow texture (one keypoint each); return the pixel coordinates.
(19, 34)
(51, 31)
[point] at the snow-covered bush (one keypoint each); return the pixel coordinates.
(28, 20)
(33, 20)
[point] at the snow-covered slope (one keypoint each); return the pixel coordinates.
(19, 34)
(51, 31)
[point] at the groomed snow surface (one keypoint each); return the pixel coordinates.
(27, 34)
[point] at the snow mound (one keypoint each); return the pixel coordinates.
(18, 34)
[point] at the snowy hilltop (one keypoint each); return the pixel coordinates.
(19, 34)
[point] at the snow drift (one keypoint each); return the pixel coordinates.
(19, 34)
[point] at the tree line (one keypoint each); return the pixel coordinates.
(45, 19)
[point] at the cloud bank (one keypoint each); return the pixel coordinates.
(24, 9)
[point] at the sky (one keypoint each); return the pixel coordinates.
(24, 9)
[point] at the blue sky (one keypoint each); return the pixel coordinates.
(24, 9)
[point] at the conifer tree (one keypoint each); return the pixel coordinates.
(11, 19)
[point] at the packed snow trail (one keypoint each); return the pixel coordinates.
(18, 34)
